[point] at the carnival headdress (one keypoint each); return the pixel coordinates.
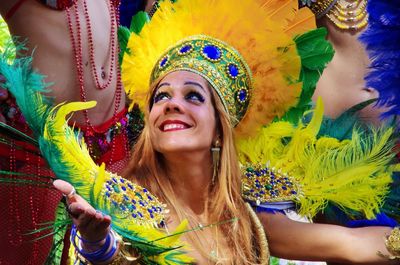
(243, 48)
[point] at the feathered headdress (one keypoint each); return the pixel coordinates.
(381, 40)
(245, 49)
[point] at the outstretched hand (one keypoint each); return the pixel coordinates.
(92, 225)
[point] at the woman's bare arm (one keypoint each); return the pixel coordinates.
(322, 242)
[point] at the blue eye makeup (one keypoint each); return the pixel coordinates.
(195, 96)
(160, 96)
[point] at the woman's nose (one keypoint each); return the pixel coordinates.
(173, 106)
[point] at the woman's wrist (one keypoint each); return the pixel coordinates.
(98, 252)
(392, 243)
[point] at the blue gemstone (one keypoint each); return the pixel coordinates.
(144, 190)
(130, 186)
(164, 61)
(140, 214)
(134, 215)
(123, 208)
(151, 215)
(150, 198)
(133, 201)
(107, 194)
(284, 188)
(294, 192)
(242, 95)
(150, 210)
(123, 188)
(126, 198)
(233, 70)
(122, 180)
(185, 48)
(115, 180)
(132, 207)
(212, 52)
(162, 224)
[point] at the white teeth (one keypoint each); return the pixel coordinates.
(173, 126)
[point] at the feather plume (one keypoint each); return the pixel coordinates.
(383, 29)
(352, 174)
(69, 158)
(315, 53)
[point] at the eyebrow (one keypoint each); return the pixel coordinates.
(186, 83)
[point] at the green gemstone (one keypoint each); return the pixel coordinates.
(250, 169)
(116, 188)
(268, 187)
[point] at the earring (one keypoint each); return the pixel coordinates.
(215, 150)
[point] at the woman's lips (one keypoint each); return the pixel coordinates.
(173, 125)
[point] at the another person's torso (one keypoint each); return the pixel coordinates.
(48, 33)
(342, 84)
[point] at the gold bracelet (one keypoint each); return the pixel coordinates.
(392, 243)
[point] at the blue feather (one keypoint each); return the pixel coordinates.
(381, 40)
(127, 9)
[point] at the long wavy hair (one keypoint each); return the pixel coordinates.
(224, 201)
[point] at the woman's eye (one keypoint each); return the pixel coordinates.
(161, 96)
(195, 96)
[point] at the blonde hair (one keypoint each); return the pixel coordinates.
(224, 199)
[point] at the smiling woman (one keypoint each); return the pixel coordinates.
(206, 97)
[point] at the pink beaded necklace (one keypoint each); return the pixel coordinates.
(76, 41)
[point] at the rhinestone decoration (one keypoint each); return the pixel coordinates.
(185, 49)
(262, 184)
(132, 201)
(212, 53)
(242, 95)
(164, 61)
(233, 71)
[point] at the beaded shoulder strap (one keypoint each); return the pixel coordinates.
(261, 237)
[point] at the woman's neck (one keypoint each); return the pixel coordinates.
(191, 175)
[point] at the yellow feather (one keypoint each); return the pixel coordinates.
(353, 174)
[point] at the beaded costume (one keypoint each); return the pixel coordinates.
(344, 14)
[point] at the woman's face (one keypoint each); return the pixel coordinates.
(182, 118)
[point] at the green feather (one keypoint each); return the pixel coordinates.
(315, 53)
(26, 85)
(62, 221)
(16, 134)
(137, 23)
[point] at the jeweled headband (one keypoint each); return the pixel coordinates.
(221, 65)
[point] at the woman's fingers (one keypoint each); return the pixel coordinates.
(92, 224)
